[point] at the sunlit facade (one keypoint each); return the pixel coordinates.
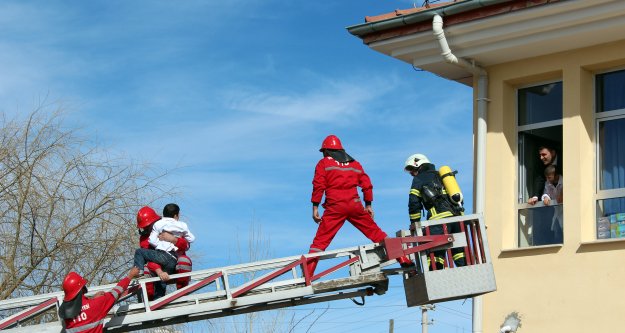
(556, 80)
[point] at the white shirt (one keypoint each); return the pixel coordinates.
(173, 226)
(553, 192)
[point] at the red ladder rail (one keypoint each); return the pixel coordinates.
(28, 313)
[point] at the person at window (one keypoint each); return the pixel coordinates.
(553, 186)
(553, 196)
(548, 156)
(428, 192)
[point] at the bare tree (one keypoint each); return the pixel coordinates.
(64, 205)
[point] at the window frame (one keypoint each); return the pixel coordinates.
(598, 118)
(599, 193)
(521, 177)
(520, 203)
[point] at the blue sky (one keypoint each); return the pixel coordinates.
(234, 98)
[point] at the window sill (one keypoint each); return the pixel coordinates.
(600, 245)
(530, 248)
(602, 241)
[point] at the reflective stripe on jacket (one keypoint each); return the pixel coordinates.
(428, 176)
(94, 310)
(339, 181)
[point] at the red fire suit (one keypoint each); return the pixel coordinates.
(94, 310)
(184, 264)
(339, 182)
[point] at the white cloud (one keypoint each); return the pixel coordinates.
(332, 102)
(245, 126)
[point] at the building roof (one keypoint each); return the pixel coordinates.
(490, 32)
(400, 12)
(408, 21)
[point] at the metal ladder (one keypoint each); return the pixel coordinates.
(271, 284)
(223, 291)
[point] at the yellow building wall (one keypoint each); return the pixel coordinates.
(577, 286)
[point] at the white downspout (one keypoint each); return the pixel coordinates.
(482, 108)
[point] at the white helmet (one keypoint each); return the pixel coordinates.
(414, 161)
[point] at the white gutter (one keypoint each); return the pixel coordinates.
(482, 110)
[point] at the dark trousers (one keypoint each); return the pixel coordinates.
(457, 253)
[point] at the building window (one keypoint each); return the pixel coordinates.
(610, 122)
(539, 128)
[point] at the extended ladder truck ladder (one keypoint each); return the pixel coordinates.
(271, 284)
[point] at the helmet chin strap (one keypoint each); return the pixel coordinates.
(145, 231)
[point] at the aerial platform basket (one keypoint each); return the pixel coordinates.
(430, 285)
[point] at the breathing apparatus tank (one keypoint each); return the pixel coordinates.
(451, 185)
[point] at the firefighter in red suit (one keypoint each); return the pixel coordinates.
(338, 175)
(146, 217)
(82, 314)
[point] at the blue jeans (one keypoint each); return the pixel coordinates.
(165, 259)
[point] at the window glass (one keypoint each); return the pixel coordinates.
(611, 218)
(540, 103)
(532, 180)
(610, 97)
(611, 91)
(540, 225)
(612, 154)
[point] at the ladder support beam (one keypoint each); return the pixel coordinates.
(261, 280)
(307, 277)
(335, 268)
(395, 249)
(184, 291)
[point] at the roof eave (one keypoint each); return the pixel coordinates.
(362, 30)
(510, 31)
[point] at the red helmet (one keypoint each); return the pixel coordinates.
(331, 142)
(72, 285)
(146, 216)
